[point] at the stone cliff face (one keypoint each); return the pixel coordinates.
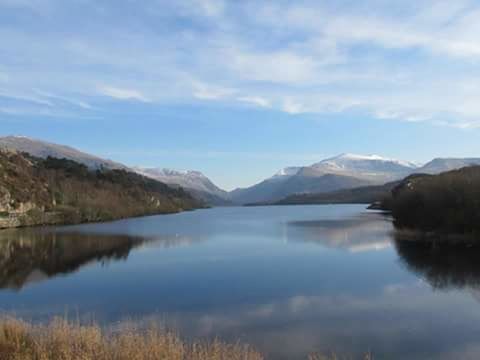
(5, 199)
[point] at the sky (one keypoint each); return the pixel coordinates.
(239, 89)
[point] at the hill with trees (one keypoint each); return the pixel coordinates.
(36, 191)
(447, 203)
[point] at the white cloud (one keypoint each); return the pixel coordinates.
(255, 100)
(293, 107)
(25, 98)
(122, 93)
(418, 62)
(211, 7)
(76, 102)
(275, 67)
(210, 92)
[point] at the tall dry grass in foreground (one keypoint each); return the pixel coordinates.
(61, 340)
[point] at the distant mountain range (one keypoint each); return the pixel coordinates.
(342, 172)
(336, 175)
(195, 182)
(345, 171)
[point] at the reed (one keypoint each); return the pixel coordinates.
(63, 340)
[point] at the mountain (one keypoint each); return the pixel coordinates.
(344, 171)
(194, 182)
(378, 194)
(35, 191)
(439, 165)
(43, 149)
(372, 168)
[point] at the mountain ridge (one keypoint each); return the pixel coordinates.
(341, 172)
(205, 191)
(344, 171)
(193, 181)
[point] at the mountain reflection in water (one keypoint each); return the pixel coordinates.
(366, 232)
(33, 255)
(288, 280)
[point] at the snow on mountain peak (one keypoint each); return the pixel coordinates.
(351, 158)
(288, 171)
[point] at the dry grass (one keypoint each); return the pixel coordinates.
(367, 356)
(62, 340)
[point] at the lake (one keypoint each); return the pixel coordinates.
(289, 280)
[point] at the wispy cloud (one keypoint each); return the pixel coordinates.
(79, 103)
(414, 61)
(25, 98)
(255, 100)
(210, 92)
(122, 93)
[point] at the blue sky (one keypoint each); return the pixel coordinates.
(239, 89)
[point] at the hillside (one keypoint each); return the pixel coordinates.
(448, 203)
(281, 186)
(196, 183)
(358, 195)
(37, 191)
(44, 149)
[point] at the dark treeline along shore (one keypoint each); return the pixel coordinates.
(36, 191)
(444, 204)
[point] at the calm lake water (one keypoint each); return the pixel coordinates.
(289, 280)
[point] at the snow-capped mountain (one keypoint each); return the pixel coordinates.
(193, 181)
(43, 149)
(439, 165)
(372, 168)
(340, 172)
(344, 171)
(288, 171)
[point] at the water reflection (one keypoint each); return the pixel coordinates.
(289, 280)
(33, 255)
(367, 232)
(444, 266)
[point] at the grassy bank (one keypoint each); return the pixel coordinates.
(61, 340)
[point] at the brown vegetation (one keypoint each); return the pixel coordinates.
(33, 190)
(61, 340)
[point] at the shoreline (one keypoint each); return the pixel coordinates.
(432, 237)
(52, 219)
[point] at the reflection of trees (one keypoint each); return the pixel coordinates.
(356, 234)
(31, 255)
(443, 265)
